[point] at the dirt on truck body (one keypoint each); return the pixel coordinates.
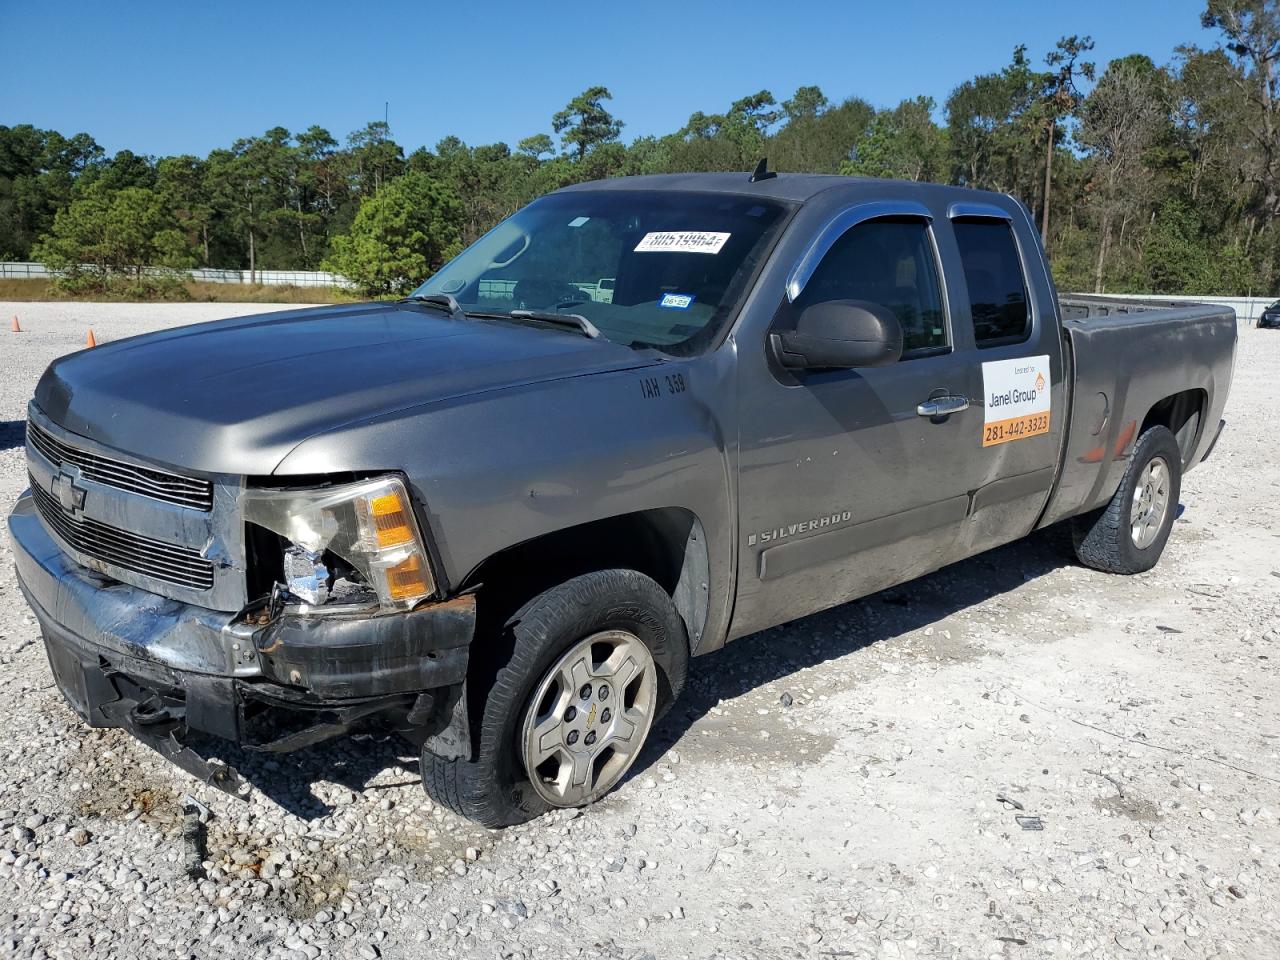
(500, 515)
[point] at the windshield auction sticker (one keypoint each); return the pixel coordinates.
(1016, 399)
(681, 241)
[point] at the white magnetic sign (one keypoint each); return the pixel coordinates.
(1015, 399)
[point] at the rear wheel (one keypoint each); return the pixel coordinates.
(594, 661)
(1129, 534)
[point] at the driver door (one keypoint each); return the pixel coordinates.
(846, 486)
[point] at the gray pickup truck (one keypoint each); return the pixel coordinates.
(499, 516)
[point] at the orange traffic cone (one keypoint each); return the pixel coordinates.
(90, 341)
(17, 327)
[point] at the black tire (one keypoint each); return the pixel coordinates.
(1102, 538)
(492, 788)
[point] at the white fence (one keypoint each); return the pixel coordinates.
(1247, 309)
(291, 278)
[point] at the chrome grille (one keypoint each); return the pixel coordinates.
(169, 562)
(145, 481)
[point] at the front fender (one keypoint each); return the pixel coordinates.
(496, 469)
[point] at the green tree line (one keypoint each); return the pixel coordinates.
(1142, 177)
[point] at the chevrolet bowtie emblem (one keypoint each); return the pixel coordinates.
(69, 495)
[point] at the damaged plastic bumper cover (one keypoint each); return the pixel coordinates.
(162, 669)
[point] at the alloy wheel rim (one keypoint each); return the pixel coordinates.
(589, 717)
(1150, 503)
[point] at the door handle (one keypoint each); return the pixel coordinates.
(942, 406)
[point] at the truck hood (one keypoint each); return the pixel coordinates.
(235, 396)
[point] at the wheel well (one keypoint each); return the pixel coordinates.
(666, 544)
(1181, 413)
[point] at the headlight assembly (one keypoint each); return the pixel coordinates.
(369, 526)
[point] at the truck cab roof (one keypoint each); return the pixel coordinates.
(798, 187)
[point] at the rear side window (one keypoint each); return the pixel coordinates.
(997, 288)
(889, 263)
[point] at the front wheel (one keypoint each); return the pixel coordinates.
(593, 663)
(1128, 535)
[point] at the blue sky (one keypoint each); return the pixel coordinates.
(184, 77)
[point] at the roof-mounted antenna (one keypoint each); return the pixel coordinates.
(762, 171)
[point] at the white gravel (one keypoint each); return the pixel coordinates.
(826, 789)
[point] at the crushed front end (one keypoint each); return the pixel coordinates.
(273, 618)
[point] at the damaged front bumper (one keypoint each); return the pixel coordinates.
(160, 668)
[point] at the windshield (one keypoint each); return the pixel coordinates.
(649, 269)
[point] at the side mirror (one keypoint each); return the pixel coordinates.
(839, 334)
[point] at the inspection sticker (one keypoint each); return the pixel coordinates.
(676, 301)
(681, 241)
(1015, 399)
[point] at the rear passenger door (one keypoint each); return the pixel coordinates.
(1015, 371)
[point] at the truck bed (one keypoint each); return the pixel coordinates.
(1127, 361)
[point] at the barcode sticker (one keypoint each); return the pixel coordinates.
(686, 241)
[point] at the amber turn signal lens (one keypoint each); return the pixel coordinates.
(391, 522)
(407, 579)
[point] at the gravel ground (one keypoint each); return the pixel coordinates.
(1015, 757)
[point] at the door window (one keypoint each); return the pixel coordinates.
(890, 263)
(997, 288)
